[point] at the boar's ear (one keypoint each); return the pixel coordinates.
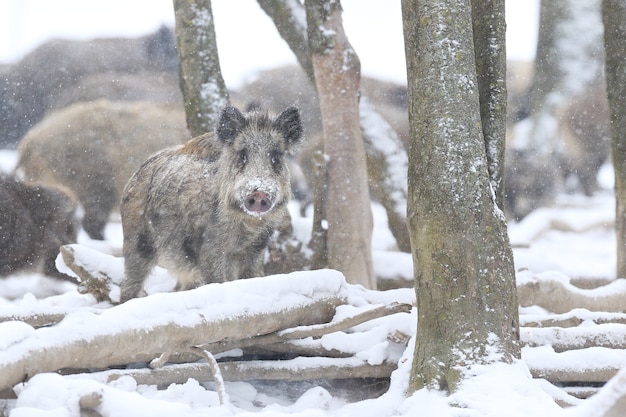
(230, 124)
(289, 125)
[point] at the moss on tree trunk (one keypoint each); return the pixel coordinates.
(465, 283)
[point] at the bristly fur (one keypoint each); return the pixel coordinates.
(35, 221)
(188, 208)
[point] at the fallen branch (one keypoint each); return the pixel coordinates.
(96, 281)
(142, 329)
(572, 319)
(574, 365)
(556, 294)
(217, 374)
(313, 331)
(34, 319)
(612, 336)
(591, 375)
(298, 369)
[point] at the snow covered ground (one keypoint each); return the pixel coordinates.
(576, 240)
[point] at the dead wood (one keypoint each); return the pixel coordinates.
(140, 337)
(612, 336)
(575, 374)
(313, 331)
(98, 283)
(298, 369)
(34, 319)
(560, 297)
(573, 319)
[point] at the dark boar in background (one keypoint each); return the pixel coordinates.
(34, 222)
(44, 79)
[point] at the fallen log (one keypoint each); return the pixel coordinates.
(612, 336)
(590, 365)
(572, 319)
(298, 369)
(142, 329)
(555, 293)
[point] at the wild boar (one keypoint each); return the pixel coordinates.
(206, 210)
(93, 149)
(34, 222)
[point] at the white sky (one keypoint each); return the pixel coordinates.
(247, 39)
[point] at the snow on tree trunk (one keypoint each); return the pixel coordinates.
(337, 76)
(201, 82)
(386, 156)
(569, 59)
(490, 55)
(614, 18)
(465, 282)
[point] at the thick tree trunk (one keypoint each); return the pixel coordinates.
(201, 81)
(465, 282)
(614, 19)
(337, 76)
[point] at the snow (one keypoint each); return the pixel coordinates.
(574, 238)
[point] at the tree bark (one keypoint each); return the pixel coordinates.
(299, 369)
(201, 82)
(614, 19)
(386, 156)
(337, 76)
(465, 282)
(490, 55)
(569, 59)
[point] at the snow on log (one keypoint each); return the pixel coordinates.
(297, 369)
(572, 319)
(595, 364)
(142, 329)
(610, 335)
(554, 292)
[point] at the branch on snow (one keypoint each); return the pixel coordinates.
(556, 294)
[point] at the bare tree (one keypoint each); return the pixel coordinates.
(386, 156)
(337, 75)
(465, 282)
(614, 19)
(204, 90)
(568, 64)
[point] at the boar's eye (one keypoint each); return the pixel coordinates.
(275, 157)
(243, 157)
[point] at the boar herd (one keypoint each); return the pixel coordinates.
(110, 137)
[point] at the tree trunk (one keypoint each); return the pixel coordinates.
(614, 19)
(569, 59)
(465, 282)
(348, 211)
(201, 82)
(386, 157)
(490, 55)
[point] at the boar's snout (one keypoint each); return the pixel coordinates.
(258, 202)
